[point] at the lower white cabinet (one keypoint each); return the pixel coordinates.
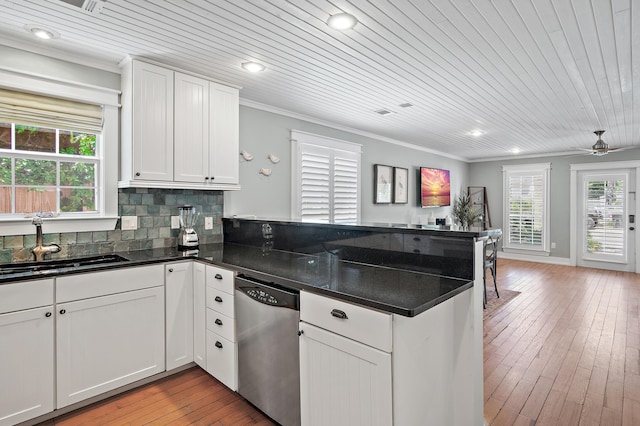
(26, 357)
(108, 341)
(179, 311)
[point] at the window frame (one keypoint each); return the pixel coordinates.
(537, 169)
(299, 140)
(105, 219)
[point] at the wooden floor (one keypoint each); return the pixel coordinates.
(566, 351)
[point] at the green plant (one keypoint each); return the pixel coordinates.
(464, 212)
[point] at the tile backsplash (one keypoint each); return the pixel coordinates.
(153, 207)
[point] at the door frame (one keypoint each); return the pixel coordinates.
(573, 203)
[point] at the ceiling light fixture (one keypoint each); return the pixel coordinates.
(253, 66)
(476, 133)
(515, 151)
(384, 111)
(42, 33)
(342, 21)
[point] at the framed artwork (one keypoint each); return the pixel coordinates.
(400, 185)
(382, 183)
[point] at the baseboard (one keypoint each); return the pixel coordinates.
(539, 259)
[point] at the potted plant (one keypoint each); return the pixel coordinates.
(463, 211)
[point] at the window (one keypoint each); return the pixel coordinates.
(58, 152)
(326, 175)
(47, 170)
(526, 208)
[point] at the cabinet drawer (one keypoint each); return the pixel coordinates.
(94, 284)
(26, 295)
(219, 278)
(362, 324)
(222, 359)
(221, 324)
(220, 301)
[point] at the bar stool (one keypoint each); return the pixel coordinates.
(490, 256)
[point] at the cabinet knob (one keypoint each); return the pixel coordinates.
(137, 173)
(206, 178)
(218, 299)
(48, 314)
(217, 321)
(213, 177)
(218, 277)
(170, 269)
(63, 311)
(300, 332)
(218, 345)
(339, 314)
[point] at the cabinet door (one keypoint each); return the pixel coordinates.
(26, 357)
(199, 315)
(152, 122)
(179, 314)
(351, 378)
(224, 148)
(191, 127)
(107, 342)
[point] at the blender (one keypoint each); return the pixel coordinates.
(187, 238)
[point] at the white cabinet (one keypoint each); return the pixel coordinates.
(108, 341)
(26, 351)
(179, 314)
(222, 346)
(350, 377)
(178, 130)
(199, 315)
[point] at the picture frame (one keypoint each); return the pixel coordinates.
(400, 185)
(382, 184)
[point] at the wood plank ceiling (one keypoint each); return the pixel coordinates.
(537, 76)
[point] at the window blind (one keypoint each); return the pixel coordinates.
(605, 222)
(44, 111)
(526, 208)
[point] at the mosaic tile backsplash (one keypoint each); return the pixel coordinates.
(154, 208)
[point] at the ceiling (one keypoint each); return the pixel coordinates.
(536, 76)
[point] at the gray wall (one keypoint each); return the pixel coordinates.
(263, 133)
(489, 174)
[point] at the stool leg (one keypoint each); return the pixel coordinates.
(495, 283)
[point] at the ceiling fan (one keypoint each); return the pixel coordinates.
(601, 148)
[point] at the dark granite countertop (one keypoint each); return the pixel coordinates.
(393, 290)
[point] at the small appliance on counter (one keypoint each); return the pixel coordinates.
(187, 238)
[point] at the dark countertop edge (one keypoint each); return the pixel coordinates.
(407, 312)
(379, 227)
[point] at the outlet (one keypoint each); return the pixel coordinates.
(553, 245)
(175, 222)
(208, 223)
(129, 223)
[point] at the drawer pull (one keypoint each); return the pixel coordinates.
(218, 345)
(339, 314)
(218, 277)
(218, 299)
(416, 238)
(218, 322)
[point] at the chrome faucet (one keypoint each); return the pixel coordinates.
(39, 250)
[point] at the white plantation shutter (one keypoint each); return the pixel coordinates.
(526, 198)
(325, 179)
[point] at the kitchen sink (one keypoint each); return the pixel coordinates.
(57, 265)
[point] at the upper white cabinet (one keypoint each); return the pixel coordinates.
(178, 130)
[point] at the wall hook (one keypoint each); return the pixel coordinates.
(273, 158)
(246, 155)
(265, 172)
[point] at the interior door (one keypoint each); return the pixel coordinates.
(606, 219)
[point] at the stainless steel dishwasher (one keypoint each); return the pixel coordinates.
(267, 317)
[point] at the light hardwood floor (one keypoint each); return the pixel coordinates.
(566, 351)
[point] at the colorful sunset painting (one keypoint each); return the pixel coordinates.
(435, 187)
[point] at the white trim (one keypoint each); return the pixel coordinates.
(177, 185)
(58, 225)
(287, 113)
(538, 259)
(526, 167)
(631, 164)
(523, 157)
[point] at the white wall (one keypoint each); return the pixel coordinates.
(263, 133)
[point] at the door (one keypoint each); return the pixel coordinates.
(26, 357)
(351, 378)
(107, 342)
(606, 219)
(224, 164)
(179, 314)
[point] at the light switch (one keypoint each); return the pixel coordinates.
(208, 223)
(175, 222)
(129, 223)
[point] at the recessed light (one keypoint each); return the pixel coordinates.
(476, 133)
(515, 151)
(253, 66)
(384, 111)
(342, 21)
(405, 105)
(43, 33)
